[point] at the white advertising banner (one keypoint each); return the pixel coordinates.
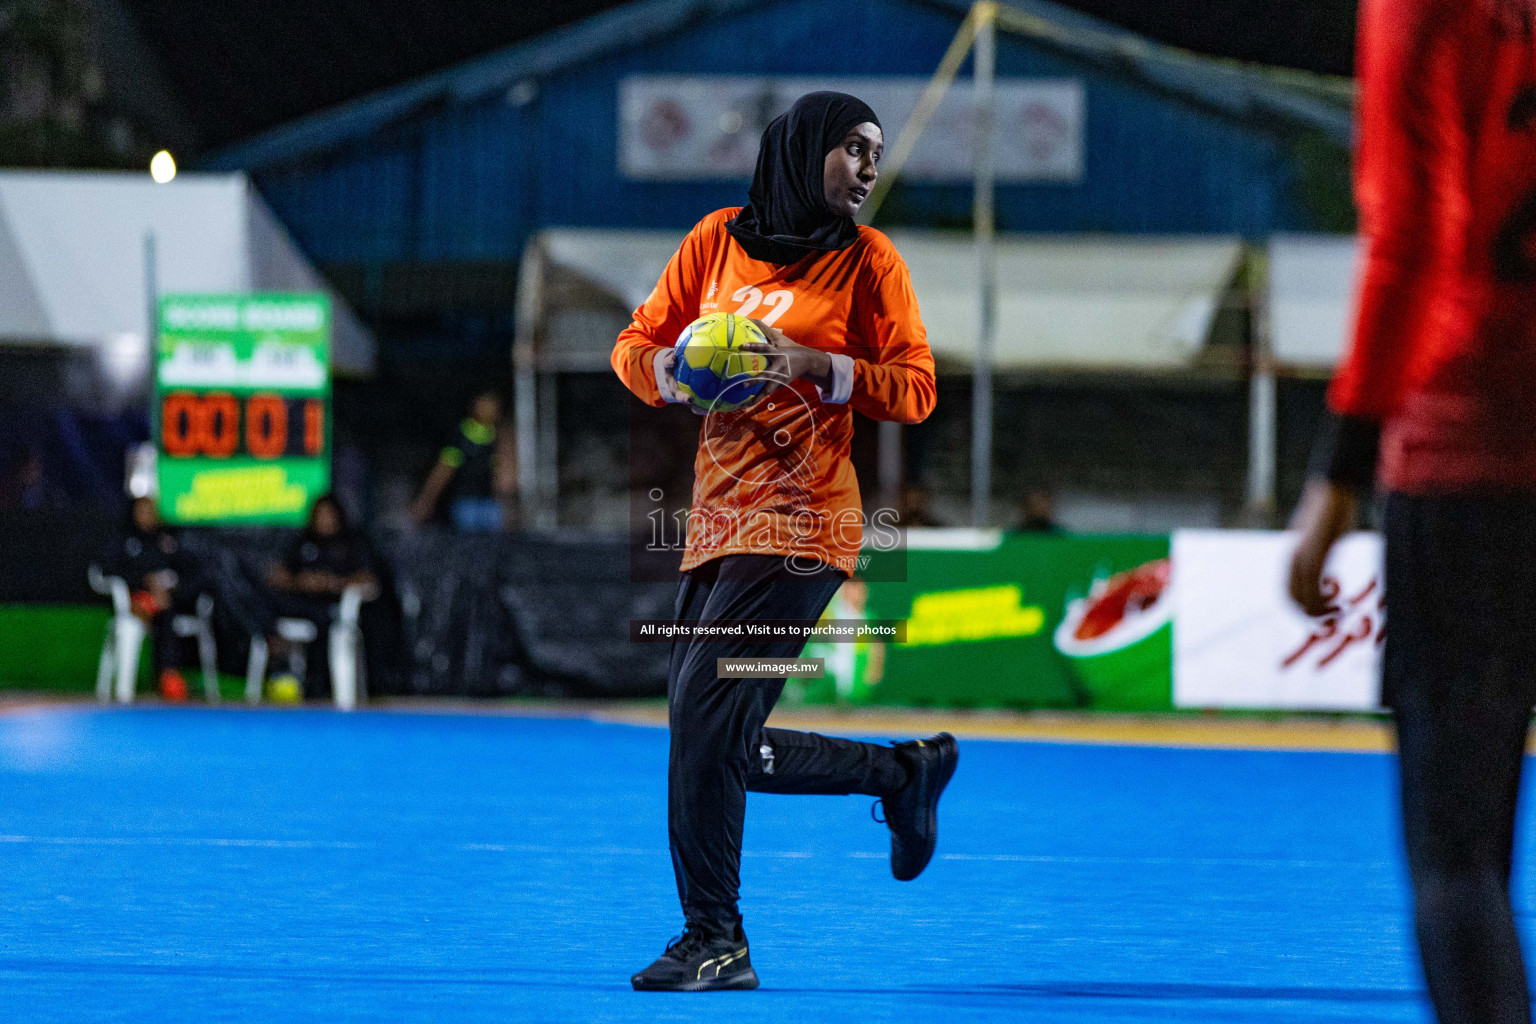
(1239, 642)
(676, 128)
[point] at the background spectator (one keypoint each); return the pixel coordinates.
(1037, 512)
(326, 558)
(29, 486)
(915, 507)
(476, 472)
(163, 580)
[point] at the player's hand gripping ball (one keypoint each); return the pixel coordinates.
(711, 370)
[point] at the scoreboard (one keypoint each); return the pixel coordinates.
(242, 407)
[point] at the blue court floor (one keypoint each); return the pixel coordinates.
(204, 865)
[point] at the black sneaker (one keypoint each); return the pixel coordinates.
(696, 962)
(912, 814)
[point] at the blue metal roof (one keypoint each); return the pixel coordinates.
(603, 33)
(1234, 90)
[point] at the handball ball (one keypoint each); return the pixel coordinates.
(285, 689)
(711, 370)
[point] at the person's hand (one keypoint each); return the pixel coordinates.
(1325, 513)
(366, 581)
(158, 585)
(320, 581)
(665, 365)
(788, 361)
(144, 606)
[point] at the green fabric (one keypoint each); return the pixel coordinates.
(52, 646)
(478, 432)
(474, 473)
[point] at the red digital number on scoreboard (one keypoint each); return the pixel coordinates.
(218, 425)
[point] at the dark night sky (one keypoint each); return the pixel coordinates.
(241, 66)
(1315, 35)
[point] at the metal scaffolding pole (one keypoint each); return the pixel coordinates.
(889, 458)
(525, 373)
(1262, 429)
(986, 269)
(143, 475)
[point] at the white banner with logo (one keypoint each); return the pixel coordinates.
(677, 128)
(1239, 642)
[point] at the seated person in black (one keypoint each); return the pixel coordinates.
(325, 558)
(163, 582)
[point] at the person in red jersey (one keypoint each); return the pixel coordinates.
(1433, 403)
(776, 523)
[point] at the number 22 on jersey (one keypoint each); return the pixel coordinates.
(778, 302)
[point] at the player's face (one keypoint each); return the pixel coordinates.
(487, 409)
(850, 169)
(327, 522)
(145, 515)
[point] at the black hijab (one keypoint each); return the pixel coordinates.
(786, 217)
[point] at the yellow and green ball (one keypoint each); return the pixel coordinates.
(285, 689)
(711, 370)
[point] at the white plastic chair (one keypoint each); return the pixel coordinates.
(348, 679)
(349, 683)
(124, 643)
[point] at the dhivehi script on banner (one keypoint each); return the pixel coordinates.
(676, 128)
(1239, 641)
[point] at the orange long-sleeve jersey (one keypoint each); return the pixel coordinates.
(1444, 350)
(776, 477)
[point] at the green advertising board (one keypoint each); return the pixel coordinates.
(1036, 621)
(242, 407)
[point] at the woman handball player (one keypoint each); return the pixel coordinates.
(776, 522)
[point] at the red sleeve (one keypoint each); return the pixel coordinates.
(898, 383)
(1398, 157)
(673, 304)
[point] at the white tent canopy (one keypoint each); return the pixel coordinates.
(1311, 298)
(1074, 303)
(1063, 303)
(626, 264)
(72, 258)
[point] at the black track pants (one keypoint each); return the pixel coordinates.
(720, 748)
(1460, 673)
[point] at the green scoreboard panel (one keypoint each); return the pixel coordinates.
(242, 407)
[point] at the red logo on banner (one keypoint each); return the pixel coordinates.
(1356, 620)
(1045, 131)
(664, 125)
